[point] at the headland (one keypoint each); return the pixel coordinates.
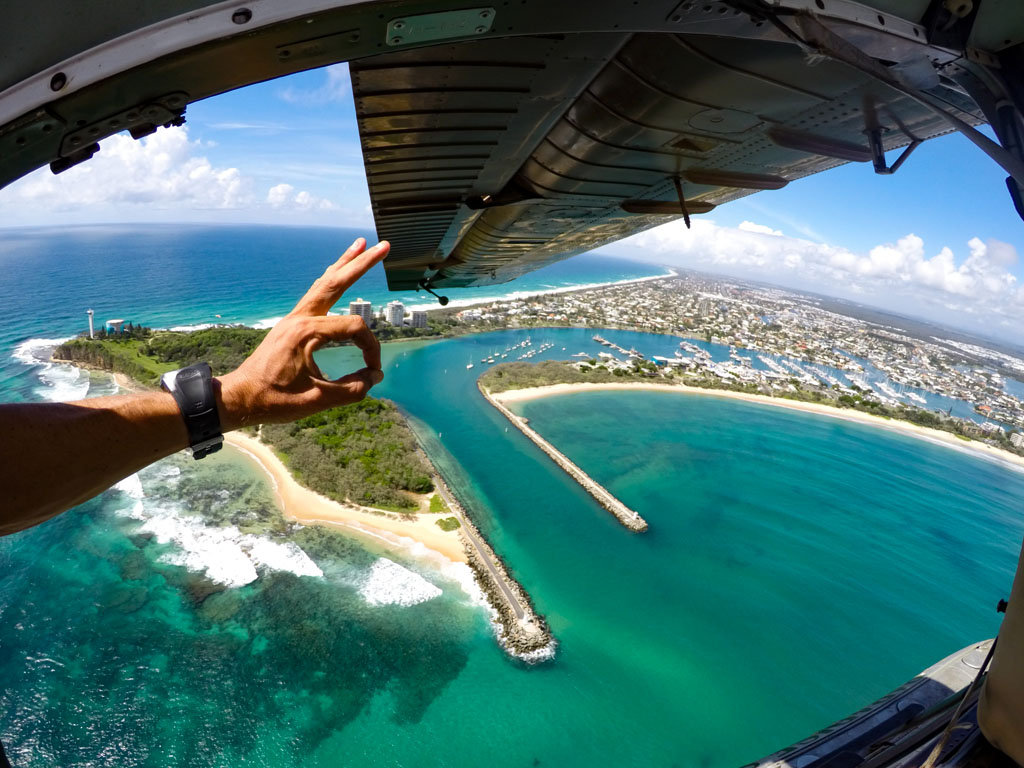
(408, 506)
(298, 503)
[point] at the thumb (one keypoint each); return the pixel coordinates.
(353, 387)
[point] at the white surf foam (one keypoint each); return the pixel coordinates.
(60, 382)
(388, 583)
(216, 552)
(462, 575)
(190, 328)
(281, 556)
(268, 322)
(225, 554)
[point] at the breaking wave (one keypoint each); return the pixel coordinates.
(224, 554)
(268, 322)
(388, 583)
(60, 382)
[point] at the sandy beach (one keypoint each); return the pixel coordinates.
(932, 435)
(421, 535)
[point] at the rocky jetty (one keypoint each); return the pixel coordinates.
(628, 517)
(520, 630)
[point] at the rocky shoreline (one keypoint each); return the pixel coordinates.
(525, 637)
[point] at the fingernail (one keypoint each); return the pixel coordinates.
(376, 376)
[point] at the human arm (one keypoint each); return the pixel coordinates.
(56, 455)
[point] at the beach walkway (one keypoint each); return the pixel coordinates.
(628, 517)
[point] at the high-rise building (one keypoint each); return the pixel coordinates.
(361, 308)
(419, 318)
(394, 313)
(1017, 439)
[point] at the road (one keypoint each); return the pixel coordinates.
(482, 552)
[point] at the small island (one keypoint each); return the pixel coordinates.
(357, 468)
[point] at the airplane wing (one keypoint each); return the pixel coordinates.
(500, 138)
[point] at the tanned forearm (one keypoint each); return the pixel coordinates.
(56, 455)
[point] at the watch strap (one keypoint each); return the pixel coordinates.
(192, 390)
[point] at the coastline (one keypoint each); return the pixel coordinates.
(518, 628)
(298, 503)
(934, 436)
(522, 295)
(461, 304)
(520, 631)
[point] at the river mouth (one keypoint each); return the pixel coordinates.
(766, 575)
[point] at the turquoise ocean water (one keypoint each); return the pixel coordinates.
(797, 567)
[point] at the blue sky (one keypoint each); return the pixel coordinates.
(938, 239)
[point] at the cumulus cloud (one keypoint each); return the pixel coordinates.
(982, 283)
(284, 196)
(160, 170)
(336, 87)
(166, 171)
(749, 226)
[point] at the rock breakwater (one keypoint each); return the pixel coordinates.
(628, 517)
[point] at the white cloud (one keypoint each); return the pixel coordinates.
(284, 196)
(337, 87)
(749, 226)
(166, 172)
(900, 275)
(161, 170)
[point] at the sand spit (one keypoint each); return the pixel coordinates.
(310, 508)
(932, 435)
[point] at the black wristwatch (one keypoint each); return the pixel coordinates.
(192, 389)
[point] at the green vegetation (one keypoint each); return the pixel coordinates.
(127, 356)
(449, 523)
(437, 504)
(505, 376)
(436, 327)
(144, 354)
(223, 348)
(363, 453)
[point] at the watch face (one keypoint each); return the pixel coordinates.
(190, 384)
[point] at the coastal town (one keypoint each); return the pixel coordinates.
(779, 339)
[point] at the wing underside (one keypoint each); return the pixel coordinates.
(489, 159)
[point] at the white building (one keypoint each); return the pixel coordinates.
(1017, 439)
(394, 313)
(419, 318)
(361, 308)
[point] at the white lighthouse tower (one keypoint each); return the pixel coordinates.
(89, 313)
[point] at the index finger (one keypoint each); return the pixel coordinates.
(350, 328)
(340, 276)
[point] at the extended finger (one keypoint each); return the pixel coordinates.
(351, 388)
(350, 328)
(317, 291)
(353, 264)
